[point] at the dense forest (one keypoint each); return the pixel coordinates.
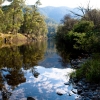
(19, 18)
(83, 34)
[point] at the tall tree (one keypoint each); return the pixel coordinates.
(34, 23)
(16, 15)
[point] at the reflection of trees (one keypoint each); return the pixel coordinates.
(5, 94)
(67, 53)
(11, 61)
(32, 53)
(15, 77)
(10, 58)
(1, 81)
(51, 48)
(64, 52)
(35, 73)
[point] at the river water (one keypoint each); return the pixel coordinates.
(34, 70)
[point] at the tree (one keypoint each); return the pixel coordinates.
(33, 24)
(83, 26)
(94, 15)
(89, 14)
(16, 15)
(68, 22)
(83, 10)
(1, 20)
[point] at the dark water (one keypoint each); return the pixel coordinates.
(34, 70)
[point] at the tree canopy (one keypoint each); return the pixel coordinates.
(18, 17)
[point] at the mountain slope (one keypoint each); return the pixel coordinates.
(56, 13)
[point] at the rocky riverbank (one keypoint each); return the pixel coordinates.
(81, 87)
(86, 90)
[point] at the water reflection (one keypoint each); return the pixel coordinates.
(12, 60)
(33, 70)
(52, 59)
(45, 86)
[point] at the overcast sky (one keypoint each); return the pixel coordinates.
(68, 3)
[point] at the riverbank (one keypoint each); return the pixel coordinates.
(9, 38)
(18, 38)
(86, 78)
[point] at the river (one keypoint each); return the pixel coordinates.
(36, 71)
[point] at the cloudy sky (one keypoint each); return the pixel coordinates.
(68, 3)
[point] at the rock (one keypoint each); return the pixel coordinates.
(70, 93)
(60, 92)
(94, 98)
(74, 91)
(80, 83)
(85, 87)
(86, 98)
(79, 91)
(73, 62)
(78, 99)
(75, 80)
(30, 98)
(67, 83)
(75, 87)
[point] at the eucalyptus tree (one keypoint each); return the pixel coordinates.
(12, 16)
(1, 19)
(34, 24)
(16, 15)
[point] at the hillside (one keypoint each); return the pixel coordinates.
(57, 13)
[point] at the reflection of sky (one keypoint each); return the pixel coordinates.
(53, 60)
(49, 82)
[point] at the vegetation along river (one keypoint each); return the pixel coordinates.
(34, 71)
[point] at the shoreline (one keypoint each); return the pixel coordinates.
(8, 40)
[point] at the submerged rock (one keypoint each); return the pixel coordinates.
(67, 83)
(74, 91)
(30, 98)
(60, 92)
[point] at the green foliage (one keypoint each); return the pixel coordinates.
(33, 23)
(81, 37)
(12, 17)
(1, 20)
(64, 29)
(83, 26)
(90, 70)
(17, 17)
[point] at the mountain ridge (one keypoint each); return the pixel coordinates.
(57, 13)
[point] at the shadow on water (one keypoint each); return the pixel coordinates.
(36, 71)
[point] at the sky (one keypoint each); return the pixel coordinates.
(68, 3)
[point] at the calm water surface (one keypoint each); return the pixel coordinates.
(34, 70)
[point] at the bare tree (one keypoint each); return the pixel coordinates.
(83, 10)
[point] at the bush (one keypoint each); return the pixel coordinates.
(90, 70)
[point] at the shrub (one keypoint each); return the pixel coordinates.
(90, 70)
